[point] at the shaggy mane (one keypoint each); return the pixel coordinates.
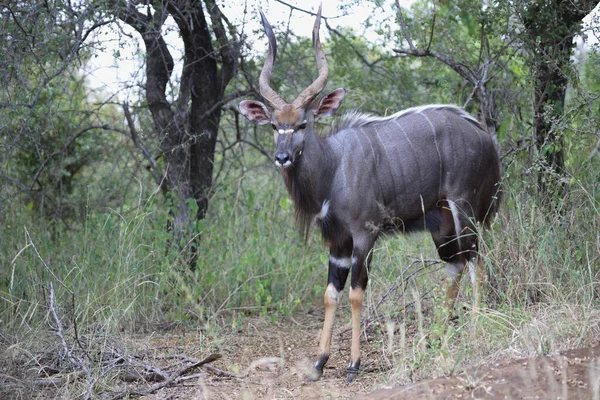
(355, 119)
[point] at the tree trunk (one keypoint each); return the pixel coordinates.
(551, 27)
(549, 104)
(188, 128)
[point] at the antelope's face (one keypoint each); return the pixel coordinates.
(291, 124)
(289, 127)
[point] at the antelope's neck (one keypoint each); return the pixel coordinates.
(309, 181)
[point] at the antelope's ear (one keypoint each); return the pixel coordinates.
(255, 111)
(330, 103)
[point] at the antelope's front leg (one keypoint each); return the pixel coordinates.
(360, 260)
(339, 267)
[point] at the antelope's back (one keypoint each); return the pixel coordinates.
(404, 164)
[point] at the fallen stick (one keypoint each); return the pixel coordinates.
(172, 378)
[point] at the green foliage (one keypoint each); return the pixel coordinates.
(55, 141)
(252, 259)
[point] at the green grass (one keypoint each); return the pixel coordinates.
(115, 264)
(542, 294)
(112, 274)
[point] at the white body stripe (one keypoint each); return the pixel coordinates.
(437, 148)
(344, 263)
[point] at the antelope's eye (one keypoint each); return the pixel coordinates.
(302, 126)
(274, 126)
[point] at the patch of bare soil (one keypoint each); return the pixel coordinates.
(266, 361)
(271, 362)
(573, 374)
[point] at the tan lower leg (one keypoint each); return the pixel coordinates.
(356, 298)
(452, 291)
(331, 301)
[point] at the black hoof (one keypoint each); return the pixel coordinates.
(317, 370)
(353, 371)
(314, 375)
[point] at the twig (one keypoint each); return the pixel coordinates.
(404, 278)
(218, 372)
(76, 360)
(404, 27)
(594, 152)
(331, 29)
(74, 319)
(136, 138)
(172, 378)
(46, 382)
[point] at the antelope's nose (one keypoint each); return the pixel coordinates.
(282, 159)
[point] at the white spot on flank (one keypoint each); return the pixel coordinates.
(344, 263)
(324, 209)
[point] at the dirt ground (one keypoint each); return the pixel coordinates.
(573, 374)
(262, 360)
(271, 363)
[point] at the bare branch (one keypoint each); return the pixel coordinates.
(458, 67)
(594, 152)
(223, 101)
(75, 359)
(228, 45)
(135, 137)
(361, 56)
(404, 27)
(331, 29)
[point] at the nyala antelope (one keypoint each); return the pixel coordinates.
(432, 167)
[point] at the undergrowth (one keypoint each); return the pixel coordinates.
(541, 295)
(117, 266)
(114, 273)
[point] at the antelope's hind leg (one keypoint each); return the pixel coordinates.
(478, 278)
(449, 245)
(456, 243)
(361, 259)
(340, 260)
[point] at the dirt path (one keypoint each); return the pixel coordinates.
(273, 360)
(263, 360)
